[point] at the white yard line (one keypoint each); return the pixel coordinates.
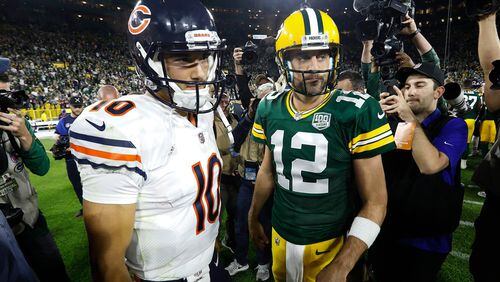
(466, 223)
(460, 255)
(473, 202)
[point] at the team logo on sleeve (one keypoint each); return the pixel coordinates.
(137, 23)
(321, 121)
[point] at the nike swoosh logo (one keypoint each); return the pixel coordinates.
(380, 115)
(446, 143)
(98, 127)
(323, 252)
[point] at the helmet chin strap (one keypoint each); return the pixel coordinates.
(187, 98)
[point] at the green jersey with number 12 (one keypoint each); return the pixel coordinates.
(313, 155)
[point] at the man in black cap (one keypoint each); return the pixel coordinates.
(423, 179)
(62, 130)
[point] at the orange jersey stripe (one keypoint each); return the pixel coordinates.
(105, 155)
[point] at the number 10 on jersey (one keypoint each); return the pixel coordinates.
(209, 208)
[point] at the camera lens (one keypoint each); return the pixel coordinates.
(249, 57)
(379, 49)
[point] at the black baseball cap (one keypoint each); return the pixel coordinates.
(4, 65)
(76, 101)
(429, 70)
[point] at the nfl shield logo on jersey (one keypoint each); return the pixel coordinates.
(321, 121)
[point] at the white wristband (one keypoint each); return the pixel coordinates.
(365, 230)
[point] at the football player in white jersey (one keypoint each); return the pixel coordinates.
(149, 163)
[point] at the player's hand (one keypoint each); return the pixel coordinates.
(409, 26)
(332, 273)
(396, 104)
(404, 60)
(15, 123)
(257, 233)
(237, 55)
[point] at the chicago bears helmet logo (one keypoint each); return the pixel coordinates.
(136, 24)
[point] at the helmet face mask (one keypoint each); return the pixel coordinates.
(306, 33)
(298, 77)
(182, 29)
(185, 95)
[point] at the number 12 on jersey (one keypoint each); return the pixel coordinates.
(208, 209)
(297, 166)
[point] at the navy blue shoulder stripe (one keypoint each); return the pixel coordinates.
(101, 140)
(96, 165)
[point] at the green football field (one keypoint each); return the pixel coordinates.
(59, 204)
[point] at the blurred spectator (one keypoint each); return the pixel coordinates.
(13, 265)
(230, 181)
(62, 133)
(487, 174)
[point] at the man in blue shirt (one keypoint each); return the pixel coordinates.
(424, 192)
(62, 130)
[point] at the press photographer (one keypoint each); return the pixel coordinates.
(18, 197)
(423, 179)
(61, 147)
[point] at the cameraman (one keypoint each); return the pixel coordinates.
(242, 79)
(21, 148)
(410, 32)
(62, 132)
(423, 181)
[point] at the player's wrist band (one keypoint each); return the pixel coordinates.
(411, 36)
(365, 230)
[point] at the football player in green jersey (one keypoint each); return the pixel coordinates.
(322, 156)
